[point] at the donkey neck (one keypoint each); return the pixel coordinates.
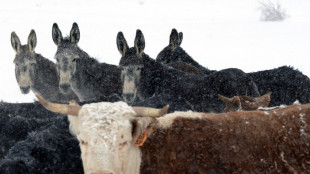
(46, 81)
(46, 74)
(86, 80)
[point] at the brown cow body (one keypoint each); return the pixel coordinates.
(275, 141)
(239, 142)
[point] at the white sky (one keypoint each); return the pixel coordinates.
(217, 33)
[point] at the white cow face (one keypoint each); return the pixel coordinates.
(107, 138)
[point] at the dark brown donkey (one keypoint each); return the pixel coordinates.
(35, 72)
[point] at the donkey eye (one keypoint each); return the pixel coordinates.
(57, 59)
(74, 60)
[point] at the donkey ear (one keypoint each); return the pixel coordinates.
(174, 39)
(180, 38)
(75, 33)
(15, 42)
(32, 40)
(56, 34)
(142, 128)
(139, 43)
(121, 43)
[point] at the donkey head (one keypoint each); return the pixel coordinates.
(25, 61)
(67, 54)
(132, 66)
(173, 50)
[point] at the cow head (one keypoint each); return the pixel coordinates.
(110, 133)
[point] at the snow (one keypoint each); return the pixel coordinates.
(218, 34)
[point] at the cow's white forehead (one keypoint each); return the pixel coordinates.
(104, 119)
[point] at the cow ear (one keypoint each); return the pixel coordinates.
(15, 42)
(75, 33)
(32, 41)
(142, 128)
(121, 43)
(174, 39)
(56, 34)
(180, 38)
(139, 43)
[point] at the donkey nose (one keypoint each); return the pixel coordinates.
(25, 89)
(129, 97)
(64, 88)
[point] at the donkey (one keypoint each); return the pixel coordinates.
(284, 91)
(35, 72)
(88, 78)
(286, 83)
(175, 53)
(143, 77)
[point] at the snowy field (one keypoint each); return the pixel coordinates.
(217, 33)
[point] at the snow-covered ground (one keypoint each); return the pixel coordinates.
(217, 33)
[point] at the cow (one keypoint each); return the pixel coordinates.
(245, 102)
(35, 140)
(143, 77)
(35, 72)
(114, 140)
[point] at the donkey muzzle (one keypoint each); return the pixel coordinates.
(25, 89)
(64, 88)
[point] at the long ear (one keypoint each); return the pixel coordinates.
(139, 43)
(75, 33)
(56, 34)
(15, 42)
(121, 43)
(143, 128)
(174, 39)
(180, 38)
(32, 41)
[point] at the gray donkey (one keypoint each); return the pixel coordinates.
(88, 78)
(35, 72)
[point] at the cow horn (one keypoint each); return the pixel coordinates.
(150, 112)
(72, 109)
(225, 99)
